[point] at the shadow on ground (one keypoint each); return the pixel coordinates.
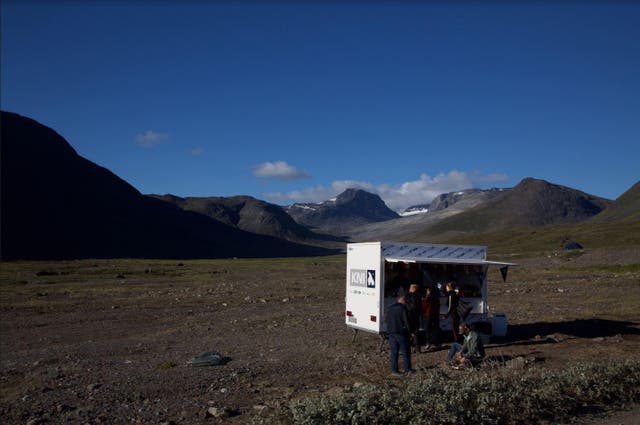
(580, 328)
(544, 332)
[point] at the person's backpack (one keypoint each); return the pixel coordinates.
(464, 308)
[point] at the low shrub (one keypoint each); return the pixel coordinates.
(504, 397)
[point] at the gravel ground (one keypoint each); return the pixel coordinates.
(109, 341)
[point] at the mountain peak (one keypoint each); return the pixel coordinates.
(357, 195)
(531, 202)
(351, 207)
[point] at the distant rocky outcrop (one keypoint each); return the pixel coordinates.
(415, 209)
(351, 208)
(464, 199)
(249, 214)
(58, 205)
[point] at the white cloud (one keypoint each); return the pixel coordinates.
(150, 139)
(279, 170)
(397, 197)
(196, 151)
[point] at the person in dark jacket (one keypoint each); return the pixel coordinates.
(452, 309)
(414, 307)
(398, 332)
(431, 316)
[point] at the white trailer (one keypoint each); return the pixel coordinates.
(372, 267)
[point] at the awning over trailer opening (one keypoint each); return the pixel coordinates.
(467, 262)
(438, 254)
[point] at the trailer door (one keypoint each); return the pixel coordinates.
(364, 281)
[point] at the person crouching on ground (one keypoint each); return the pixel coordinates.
(470, 351)
(398, 333)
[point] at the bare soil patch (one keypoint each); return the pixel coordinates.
(108, 341)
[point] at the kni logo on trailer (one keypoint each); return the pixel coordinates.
(364, 278)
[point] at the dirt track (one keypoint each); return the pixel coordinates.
(108, 341)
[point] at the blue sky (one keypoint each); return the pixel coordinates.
(294, 102)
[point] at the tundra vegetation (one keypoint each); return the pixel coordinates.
(505, 396)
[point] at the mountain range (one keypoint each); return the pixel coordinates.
(58, 205)
(249, 214)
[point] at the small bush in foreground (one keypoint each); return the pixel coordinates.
(506, 397)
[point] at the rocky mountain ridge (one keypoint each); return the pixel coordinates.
(249, 214)
(352, 207)
(470, 197)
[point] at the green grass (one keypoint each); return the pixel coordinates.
(529, 240)
(613, 268)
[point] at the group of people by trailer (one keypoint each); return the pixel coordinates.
(418, 300)
(422, 294)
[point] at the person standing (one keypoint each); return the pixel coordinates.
(452, 309)
(432, 318)
(414, 311)
(398, 332)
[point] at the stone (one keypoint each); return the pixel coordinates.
(570, 245)
(516, 363)
(261, 409)
(334, 391)
(551, 338)
(218, 412)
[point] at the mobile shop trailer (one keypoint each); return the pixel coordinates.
(375, 268)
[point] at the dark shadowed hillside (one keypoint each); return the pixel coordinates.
(532, 202)
(249, 214)
(351, 208)
(56, 205)
(627, 206)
